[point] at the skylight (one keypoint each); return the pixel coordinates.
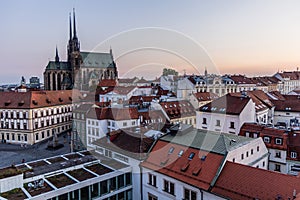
(180, 153)
(171, 150)
(191, 156)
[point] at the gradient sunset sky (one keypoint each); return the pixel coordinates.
(252, 37)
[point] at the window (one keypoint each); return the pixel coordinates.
(204, 121)
(121, 182)
(277, 167)
(231, 125)
(278, 141)
(247, 154)
(152, 180)
(293, 154)
(267, 139)
(247, 134)
(189, 194)
(19, 137)
(278, 154)
(128, 179)
(264, 163)
(37, 136)
(124, 123)
(251, 151)
(180, 153)
(257, 148)
(171, 150)
(169, 187)
(133, 123)
(191, 156)
(152, 197)
(242, 156)
(218, 122)
(7, 136)
(233, 159)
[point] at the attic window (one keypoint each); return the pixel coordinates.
(191, 156)
(203, 157)
(180, 153)
(48, 101)
(60, 99)
(70, 98)
(21, 103)
(171, 150)
(7, 103)
(34, 102)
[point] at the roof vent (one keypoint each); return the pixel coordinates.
(185, 167)
(197, 171)
(164, 162)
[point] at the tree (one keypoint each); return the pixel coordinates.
(167, 72)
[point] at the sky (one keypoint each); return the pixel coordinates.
(251, 37)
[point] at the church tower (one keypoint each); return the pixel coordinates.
(74, 57)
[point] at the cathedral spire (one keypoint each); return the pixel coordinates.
(70, 26)
(74, 23)
(56, 55)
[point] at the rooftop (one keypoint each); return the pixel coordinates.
(209, 141)
(244, 182)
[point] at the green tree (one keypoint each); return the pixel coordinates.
(167, 71)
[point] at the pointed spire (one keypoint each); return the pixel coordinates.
(70, 26)
(205, 72)
(56, 55)
(74, 23)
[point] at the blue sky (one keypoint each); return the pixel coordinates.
(251, 37)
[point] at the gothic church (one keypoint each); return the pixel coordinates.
(82, 70)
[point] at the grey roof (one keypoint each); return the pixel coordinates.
(210, 141)
(58, 65)
(97, 60)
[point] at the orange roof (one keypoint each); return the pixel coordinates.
(178, 109)
(205, 96)
(196, 171)
(107, 83)
(37, 99)
(244, 182)
(113, 113)
(228, 104)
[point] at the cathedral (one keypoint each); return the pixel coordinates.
(82, 70)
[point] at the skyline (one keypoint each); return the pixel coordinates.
(249, 37)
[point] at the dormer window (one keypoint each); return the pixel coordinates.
(180, 153)
(278, 141)
(171, 150)
(293, 154)
(191, 156)
(267, 139)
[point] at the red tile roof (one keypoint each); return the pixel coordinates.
(113, 113)
(205, 96)
(295, 75)
(263, 131)
(107, 83)
(228, 104)
(122, 90)
(259, 105)
(196, 172)
(244, 182)
(131, 144)
(178, 109)
(241, 79)
(287, 105)
(37, 99)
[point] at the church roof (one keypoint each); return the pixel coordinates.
(58, 65)
(98, 60)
